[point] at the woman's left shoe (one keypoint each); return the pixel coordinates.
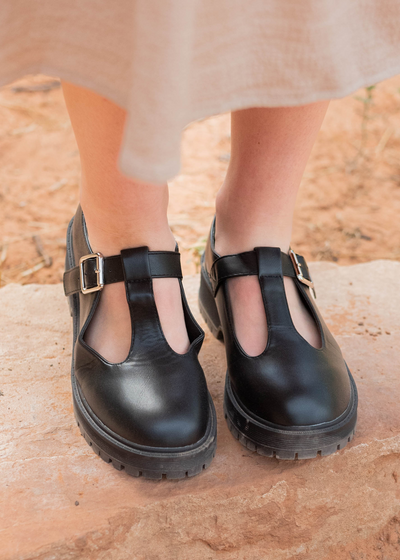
(151, 414)
(293, 400)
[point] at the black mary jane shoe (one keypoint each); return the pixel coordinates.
(152, 414)
(293, 400)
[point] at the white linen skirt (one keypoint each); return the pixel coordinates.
(170, 62)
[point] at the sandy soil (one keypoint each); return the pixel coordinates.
(348, 207)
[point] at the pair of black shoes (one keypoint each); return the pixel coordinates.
(152, 414)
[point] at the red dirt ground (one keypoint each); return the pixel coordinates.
(348, 207)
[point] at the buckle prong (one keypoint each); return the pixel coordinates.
(299, 273)
(99, 270)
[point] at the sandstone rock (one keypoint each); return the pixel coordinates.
(60, 501)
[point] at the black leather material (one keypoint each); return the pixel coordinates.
(246, 264)
(163, 264)
(291, 383)
(155, 398)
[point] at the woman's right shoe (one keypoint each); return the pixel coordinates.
(293, 400)
(151, 414)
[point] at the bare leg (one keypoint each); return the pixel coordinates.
(120, 213)
(270, 149)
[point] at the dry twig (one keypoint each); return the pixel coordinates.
(46, 86)
(47, 260)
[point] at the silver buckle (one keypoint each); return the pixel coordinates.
(99, 273)
(299, 273)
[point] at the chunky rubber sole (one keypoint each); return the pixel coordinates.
(266, 438)
(153, 464)
(136, 460)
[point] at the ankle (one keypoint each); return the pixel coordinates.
(121, 213)
(242, 225)
(111, 236)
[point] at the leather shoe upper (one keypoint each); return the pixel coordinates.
(291, 383)
(156, 397)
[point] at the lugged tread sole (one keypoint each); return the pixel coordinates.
(276, 441)
(149, 474)
(286, 454)
(147, 463)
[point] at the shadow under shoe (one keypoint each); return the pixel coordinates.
(293, 400)
(150, 414)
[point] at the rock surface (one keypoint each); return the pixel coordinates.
(59, 501)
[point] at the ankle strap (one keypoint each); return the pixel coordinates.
(246, 264)
(94, 270)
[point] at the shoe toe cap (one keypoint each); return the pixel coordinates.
(309, 410)
(153, 411)
(290, 396)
